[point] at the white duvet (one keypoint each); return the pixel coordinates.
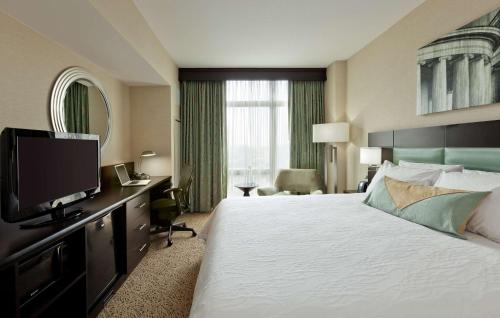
(332, 256)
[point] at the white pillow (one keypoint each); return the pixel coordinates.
(485, 219)
(413, 175)
(431, 166)
(469, 180)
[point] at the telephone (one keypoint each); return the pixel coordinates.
(362, 185)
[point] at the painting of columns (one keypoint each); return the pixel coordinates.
(461, 69)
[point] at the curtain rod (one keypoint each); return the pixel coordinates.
(224, 74)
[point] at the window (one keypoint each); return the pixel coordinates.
(257, 132)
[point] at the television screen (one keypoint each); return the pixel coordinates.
(50, 169)
(43, 170)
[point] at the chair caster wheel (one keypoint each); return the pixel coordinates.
(193, 234)
(169, 243)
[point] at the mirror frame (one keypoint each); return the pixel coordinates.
(63, 81)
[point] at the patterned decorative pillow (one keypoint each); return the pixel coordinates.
(441, 209)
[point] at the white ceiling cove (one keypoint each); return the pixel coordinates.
(269, 33)
(77, 25)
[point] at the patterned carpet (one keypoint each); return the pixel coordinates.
(162, 284)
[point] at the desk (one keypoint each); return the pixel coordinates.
(18, 245)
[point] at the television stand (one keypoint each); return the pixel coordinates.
(59, 215)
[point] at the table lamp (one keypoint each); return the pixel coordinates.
(371, 156)
(331, 133)
(144, 154)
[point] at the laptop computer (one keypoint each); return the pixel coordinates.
(122, 173)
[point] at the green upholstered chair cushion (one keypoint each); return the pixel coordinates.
(295, 181)
(442, 209)
(265, 191)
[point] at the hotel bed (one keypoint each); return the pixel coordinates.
(333, 256)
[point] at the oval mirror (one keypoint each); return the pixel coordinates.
(79, 104)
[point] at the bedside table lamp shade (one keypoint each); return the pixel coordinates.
(145, 154)
(371, 156)
(331, 132)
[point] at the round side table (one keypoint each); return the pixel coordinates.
(246, 188)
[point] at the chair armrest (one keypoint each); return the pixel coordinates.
(172, 192)
(314, 192)
(265, 191)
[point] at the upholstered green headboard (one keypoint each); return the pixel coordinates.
(486, 159)
(474, 145)
(423, 155)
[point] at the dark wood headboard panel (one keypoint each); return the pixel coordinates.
(429, 137)
(484, 134)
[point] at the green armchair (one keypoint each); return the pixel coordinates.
(164, 211)
(294, 181)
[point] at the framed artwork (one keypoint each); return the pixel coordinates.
(461, 69)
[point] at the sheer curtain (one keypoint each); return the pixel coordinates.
(257, 132)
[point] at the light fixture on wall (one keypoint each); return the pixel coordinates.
(331, 133)
(139, 174)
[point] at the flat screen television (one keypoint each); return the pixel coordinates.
(43, 172)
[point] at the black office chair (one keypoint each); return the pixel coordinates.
(164, 211)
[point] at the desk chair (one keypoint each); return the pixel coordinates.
(164, 211)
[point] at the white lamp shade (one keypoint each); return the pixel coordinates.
(331, 132)
(370, 155)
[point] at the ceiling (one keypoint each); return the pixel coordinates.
(216, 33)
(269, 33)
(77, 25)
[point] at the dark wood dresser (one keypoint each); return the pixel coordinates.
(96, 252)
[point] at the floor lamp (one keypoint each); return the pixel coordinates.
(331, 133)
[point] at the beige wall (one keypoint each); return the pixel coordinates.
(151, 127)
(126, 19)
(381, 78)
(335, 107)
(29, 64)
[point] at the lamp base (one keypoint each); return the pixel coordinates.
(372, 170)
(141, 176)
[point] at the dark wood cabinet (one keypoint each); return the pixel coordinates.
(137, 219)
(49, 279)
(72, 269)
(102, 252)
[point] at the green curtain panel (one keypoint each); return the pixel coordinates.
(76, 108)
(306, 108)
(203, 140)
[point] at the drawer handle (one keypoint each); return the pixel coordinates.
(140, 228)
(143, 247)
(33, 293)
(109, 296)
(140, 206)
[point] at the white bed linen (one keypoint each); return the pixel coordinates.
(332, 256)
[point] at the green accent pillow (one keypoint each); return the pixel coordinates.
(444, 210)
